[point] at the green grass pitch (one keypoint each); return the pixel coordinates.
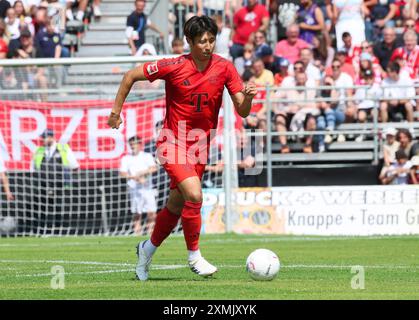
(311, 268)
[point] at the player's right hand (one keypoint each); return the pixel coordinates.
(114, 120)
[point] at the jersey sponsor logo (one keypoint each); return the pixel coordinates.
(198, 100)
(152, 68)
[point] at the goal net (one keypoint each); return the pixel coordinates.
(63, 162)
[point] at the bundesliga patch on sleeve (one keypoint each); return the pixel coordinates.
(152, 68)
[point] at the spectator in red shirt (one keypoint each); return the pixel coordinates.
(352, 51)
(254, 17)
(409, 54)
(345, 66)
(3, 44)
(290, 48)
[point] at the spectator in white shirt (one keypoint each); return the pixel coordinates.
(12, 24)
(367, 98)
(138, 168)
(312, 72)
(397, 173)
(344, 85)
(398, 94)
(223, 36)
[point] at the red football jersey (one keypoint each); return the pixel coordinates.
(193, 98)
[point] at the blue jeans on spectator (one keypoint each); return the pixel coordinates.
(236, 51)
(329, 120)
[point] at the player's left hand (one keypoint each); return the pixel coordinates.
(250, 90)
(114, 120)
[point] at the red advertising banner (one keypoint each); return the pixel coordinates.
(81, 124)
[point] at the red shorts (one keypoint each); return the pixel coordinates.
(180, 168)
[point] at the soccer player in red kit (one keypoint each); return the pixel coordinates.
(194, 90)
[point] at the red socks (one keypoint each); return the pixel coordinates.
(166, 221)
(191, 223)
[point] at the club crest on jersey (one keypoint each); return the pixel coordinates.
(152, 68)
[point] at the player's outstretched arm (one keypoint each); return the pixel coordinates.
(243, 100)
(136, 74)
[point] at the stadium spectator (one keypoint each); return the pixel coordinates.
(399, 172)
(138, 167)
(3, 40)
(257, 116)
(310, 19)
(182, 9)
(212, 7)
(411, 24)
(381, 15)
(25, 21)
(48, 42)
(249, 19)
(290, 48)
(285, 12)
(12, 24)
(282, 73)
(312, 72)
(177, 46)
(414, 170)
(346, 67)
(332, 113)
(367, 99)
(259, 41)
(399, 93)
(4, 6)
(301, 102)
(383, 50)
(223, 36)
(349, 19)
(390, 146)
(366, 64)
(404, 137)
(5, 181)
(352, 51)
(322, 51)
(344, 84)
(293, 113)
(244, 62)
(146, 49)
(137, 23)
(409, 53)
(52, 166)
(263, 76)
(23, 46)
(81, 6)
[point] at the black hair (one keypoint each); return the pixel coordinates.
(393, 66)
(346, 34)
(401, 154)
(197, 26)
(134, 139)
(247, 75)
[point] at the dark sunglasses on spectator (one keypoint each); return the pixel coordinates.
(410, 25)
(298, 68)
(335, 66)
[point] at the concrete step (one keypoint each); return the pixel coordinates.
(105, 38)
(100, 51)
(114, 19)
(100, 27)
